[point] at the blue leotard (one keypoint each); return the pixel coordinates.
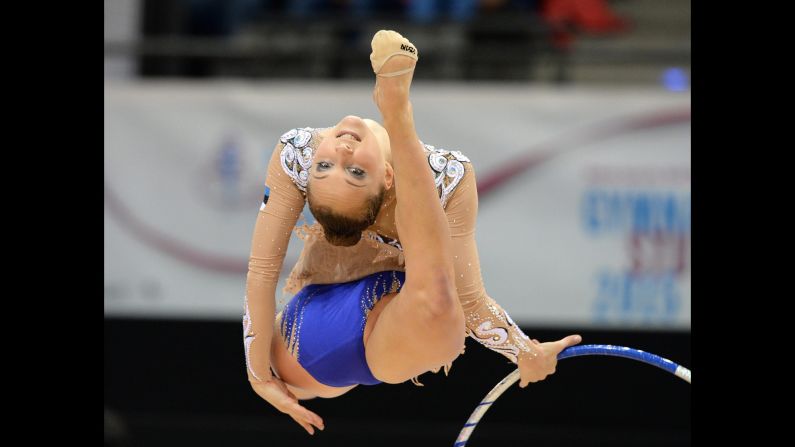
(323, 326)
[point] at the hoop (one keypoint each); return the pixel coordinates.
(573, 351)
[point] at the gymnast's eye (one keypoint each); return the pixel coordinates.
(322, 165)
(356, 172)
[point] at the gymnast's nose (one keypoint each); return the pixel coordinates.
(344, 149)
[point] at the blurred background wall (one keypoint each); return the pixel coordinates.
(576, 115)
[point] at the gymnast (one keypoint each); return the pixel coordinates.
(388, 283)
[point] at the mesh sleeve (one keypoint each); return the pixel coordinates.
(281, 206)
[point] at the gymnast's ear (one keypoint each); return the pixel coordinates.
(389, 175)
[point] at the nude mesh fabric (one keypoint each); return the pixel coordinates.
(323, 263)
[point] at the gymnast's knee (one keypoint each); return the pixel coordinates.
(441, 300)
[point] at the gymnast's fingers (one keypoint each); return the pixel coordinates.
(524, 382)
(304, 424)
(314, 419)
(565, 342)
(306, 415)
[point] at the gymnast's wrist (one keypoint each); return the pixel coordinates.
(254, 382)
(261, 379)
(529, 356)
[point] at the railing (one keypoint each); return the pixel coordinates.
(491, 47)
(496, 46)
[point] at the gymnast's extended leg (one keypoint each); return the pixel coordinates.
(423, 326)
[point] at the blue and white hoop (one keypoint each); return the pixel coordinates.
(573, 351)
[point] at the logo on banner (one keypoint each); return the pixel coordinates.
(227, 180)
(651, 219)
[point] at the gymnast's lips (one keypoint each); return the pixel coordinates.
(351, 133)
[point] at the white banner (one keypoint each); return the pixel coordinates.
(591, 230)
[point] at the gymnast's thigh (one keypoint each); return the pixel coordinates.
(403, 340)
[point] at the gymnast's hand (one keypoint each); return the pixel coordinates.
(533, 369)
(276, 393)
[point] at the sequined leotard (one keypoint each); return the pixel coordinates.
(324, 323)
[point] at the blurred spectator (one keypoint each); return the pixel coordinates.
(221, 17)
(425, 11)
(592, 16)
(355, 8)
(418, 11)
(569, 16)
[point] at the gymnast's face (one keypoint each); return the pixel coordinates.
(351, 169)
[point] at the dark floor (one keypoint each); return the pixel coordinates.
(174, 383)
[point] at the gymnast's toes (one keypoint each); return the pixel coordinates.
(385, 45)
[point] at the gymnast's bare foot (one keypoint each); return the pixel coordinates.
(393, 59)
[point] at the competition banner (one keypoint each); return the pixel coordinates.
(584, 214)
